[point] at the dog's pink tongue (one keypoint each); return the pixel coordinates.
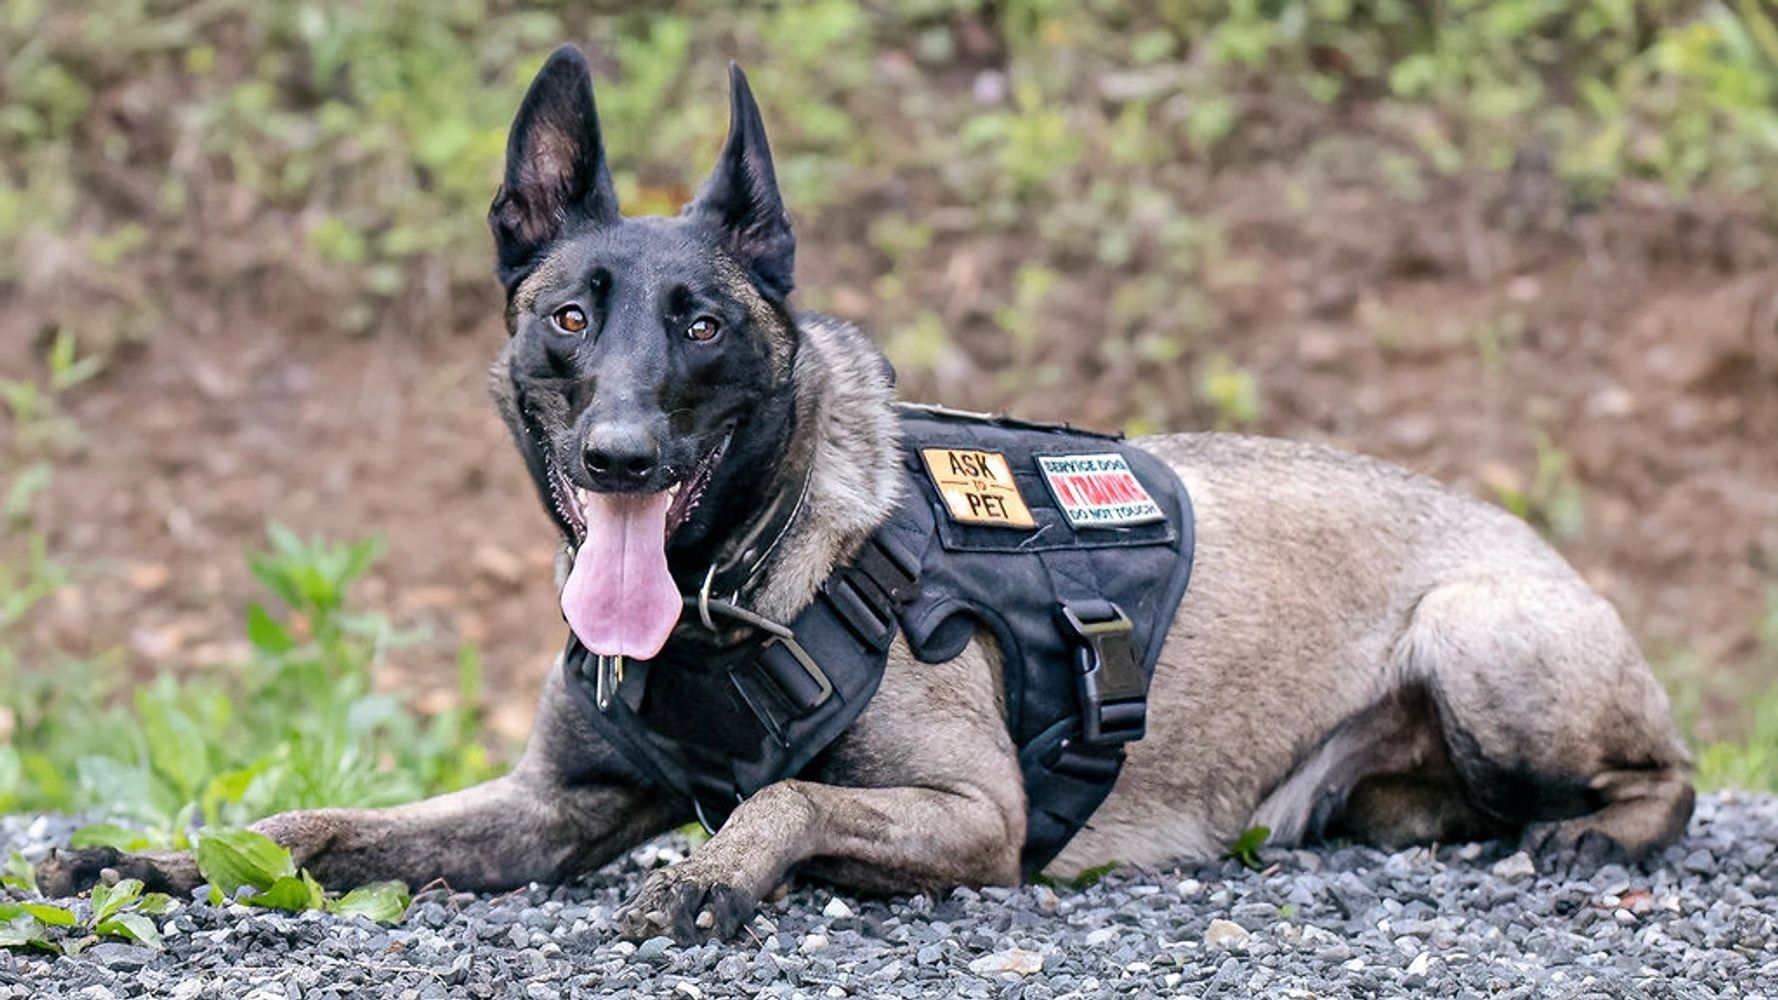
(620, 599)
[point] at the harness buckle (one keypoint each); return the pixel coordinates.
(1113, 692)
(781, 684)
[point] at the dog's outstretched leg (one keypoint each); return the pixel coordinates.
(568, 806)
(884, 839)
(942, 804)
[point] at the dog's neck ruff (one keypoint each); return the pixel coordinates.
(1071, 550)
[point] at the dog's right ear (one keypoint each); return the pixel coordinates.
(555, 165)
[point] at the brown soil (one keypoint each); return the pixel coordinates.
(1642, 340)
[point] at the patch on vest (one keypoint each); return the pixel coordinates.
(978, 487)
(1098, 491)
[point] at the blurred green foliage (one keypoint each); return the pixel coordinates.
(352, 148)
(298, 724)
(1751, 761)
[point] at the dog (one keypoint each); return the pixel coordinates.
(1362, 652)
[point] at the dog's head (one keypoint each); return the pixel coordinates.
(650, 359)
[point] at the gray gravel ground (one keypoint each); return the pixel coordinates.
(1349, 922)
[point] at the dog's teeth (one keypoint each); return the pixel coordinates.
(673, 491)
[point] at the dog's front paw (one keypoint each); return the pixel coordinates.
(73, 870)
(686, 905)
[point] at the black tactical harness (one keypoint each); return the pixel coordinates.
(1079, 613)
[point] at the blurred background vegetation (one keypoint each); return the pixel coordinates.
(1524, 245)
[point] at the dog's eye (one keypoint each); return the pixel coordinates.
(569, 319)
(703, 329)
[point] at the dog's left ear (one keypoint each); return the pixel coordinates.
(741, 201)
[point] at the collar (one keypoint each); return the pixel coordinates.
(739, 562)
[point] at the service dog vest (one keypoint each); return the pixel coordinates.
(1073, 550)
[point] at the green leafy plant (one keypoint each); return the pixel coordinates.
(1751, 760)
(1246, 847)
(298, 724)
(35, 409)
(122, 910)
(1232, 392)
(1552, 500)
(232, 860)
(240, 865)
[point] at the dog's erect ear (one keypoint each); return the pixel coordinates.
(741, 201)
(555, 164)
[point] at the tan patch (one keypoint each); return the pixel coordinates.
(977, 487)
(547, 272)
(766, 320)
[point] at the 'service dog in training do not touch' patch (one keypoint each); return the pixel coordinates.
(901, 648)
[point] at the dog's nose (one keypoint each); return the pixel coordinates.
(620, 456)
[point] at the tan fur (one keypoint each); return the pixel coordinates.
(1323, 582)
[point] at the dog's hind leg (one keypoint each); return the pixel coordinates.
(568, 806)
(1551, 717)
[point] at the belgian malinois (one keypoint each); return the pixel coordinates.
(1362, 652)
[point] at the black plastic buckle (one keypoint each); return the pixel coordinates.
(1113, 693)
(867, 593)
(781, 684)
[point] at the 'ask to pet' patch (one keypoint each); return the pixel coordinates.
(977, 487)
(1098, 491)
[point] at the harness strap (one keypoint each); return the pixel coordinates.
(1071, 768)
(786, 693)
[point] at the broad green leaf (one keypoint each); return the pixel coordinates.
(127, 789)
(265, 632)
(317, 895)
(1246, 847)
(110, 835)
(156, 903)
(25, 931)
(33, 479)
(230, 859)
(228, 788)
(287, 893)
(176, 744)
(134, 926)
(384, 902)
(49, 914)
(20, 874)
(107, 900)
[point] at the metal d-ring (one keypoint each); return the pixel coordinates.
(704, 598)
(697, 806)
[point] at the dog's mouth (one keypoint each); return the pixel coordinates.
(620, 598)
(572, 502)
